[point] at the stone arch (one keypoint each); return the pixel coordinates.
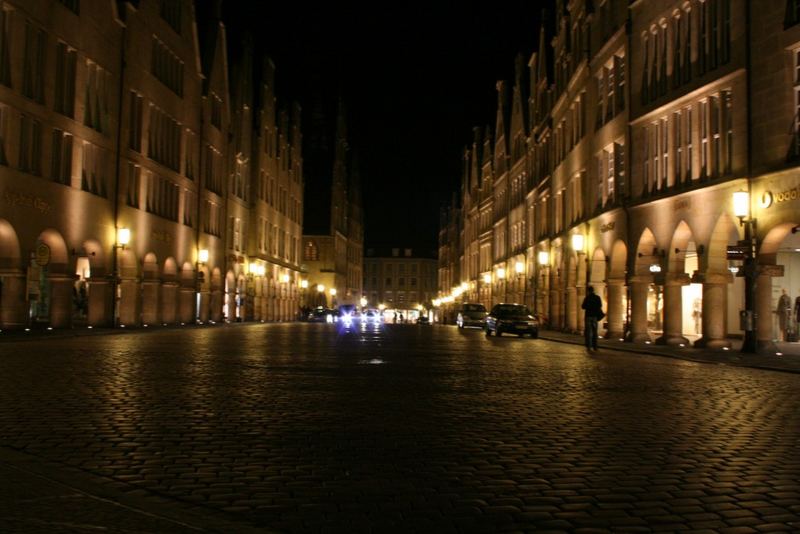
(150, 269)
(676, 254)
(128, 263)
(770, 245)
(170, 270)
(647, 253)
(725, 232)
(169, 291)
(216, 279)
(93, 250)
(187, 274)
(59, 257)
(597, 272)
(618, 260)
(151, 290)
(9, 246)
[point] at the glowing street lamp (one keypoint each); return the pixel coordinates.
(303, 284)
(544, 257)
(202, 255)
(123, 237)
(320, 288)
(487, 278)
(577, 242)
(364, 302)
(519, 267)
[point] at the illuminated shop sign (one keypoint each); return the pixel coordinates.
(768, 198)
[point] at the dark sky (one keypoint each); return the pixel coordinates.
(415, 76)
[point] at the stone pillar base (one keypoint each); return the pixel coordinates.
(707, 343)
(672, 341)
(638, 338)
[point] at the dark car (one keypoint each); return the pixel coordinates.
(511, 319)
(322, 315)
(423, 319)
(471, 314)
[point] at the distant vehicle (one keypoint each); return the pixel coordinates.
(321, 314)
(423, 319)
(348, 312)
(372, 316)
(511, 319)
(471, 314)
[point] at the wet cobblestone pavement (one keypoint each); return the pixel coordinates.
(306, 428)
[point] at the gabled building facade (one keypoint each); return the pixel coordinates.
(642, 119)
(118, 167)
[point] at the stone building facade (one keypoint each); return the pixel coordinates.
(117, 170)
(613, 161)
(400, 281)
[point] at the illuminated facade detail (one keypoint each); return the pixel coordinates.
(403, 282)
(68, 183)
(649, 184)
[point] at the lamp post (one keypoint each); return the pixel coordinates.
(579, 293)
(202, 260)
(123, 238)
(304, 295)
(741, 209)
(543, 260)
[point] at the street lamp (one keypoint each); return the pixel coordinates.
(123, 239)
(741, 209)
(577, 243)
(543, 259)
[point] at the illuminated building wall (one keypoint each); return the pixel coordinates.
(635, 142)
(399, 280)
(82, 156)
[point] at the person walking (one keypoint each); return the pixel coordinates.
(593, 312)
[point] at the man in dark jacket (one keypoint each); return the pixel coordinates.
(593, 307)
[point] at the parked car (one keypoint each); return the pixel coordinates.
(511, 319)
(423, 319)
(471, 314)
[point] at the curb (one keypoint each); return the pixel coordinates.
(696, 358)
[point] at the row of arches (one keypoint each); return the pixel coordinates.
(672, 288)
(53, 285)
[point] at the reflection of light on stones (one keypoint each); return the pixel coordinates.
(373, 361)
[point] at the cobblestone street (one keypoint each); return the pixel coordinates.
(306, 428)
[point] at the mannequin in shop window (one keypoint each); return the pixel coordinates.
(784, 312)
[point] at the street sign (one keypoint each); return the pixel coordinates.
(771, 270)
(737, 252)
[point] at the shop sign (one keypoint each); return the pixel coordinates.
(771, 270)
(607, 227)
(42, 255)
(16, 198)
(737, 252)
(768, 198)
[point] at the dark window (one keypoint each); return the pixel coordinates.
(72, 5)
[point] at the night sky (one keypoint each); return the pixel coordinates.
(415, 76)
